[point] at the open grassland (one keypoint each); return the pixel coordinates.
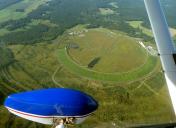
(117, 77)
(10, 12)
(129, 93)
(138, 24)
(120, 104)
(106, 11)
(118, 52)
(3, 31)
(121, 58)
(26, 6)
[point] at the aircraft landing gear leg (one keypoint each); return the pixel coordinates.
(62, 122)
(60, 126)
(58, 123)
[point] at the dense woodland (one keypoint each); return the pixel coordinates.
(66, 14)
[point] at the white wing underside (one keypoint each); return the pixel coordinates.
(164, 45)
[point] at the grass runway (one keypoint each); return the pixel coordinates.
(116, 77)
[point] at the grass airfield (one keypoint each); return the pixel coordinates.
(127, 96)
(113, 48)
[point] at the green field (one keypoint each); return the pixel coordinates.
(4, 31)
(10, 12)
(117, 77)
(137, 24)
(106, 11)
(103, 62)
(121, 68)
(106, 45)
(37, 66)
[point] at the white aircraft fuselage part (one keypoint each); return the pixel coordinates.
(42, 119)
(60, 126)
(164, 44)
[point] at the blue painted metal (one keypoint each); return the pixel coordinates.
(52, 102)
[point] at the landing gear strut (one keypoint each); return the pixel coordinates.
(62, 122)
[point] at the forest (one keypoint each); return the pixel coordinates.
(66, 14)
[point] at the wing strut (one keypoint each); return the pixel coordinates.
(164, 45)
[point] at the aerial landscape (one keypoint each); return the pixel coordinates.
(104, 48)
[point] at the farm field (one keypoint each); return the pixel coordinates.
(138, 24)
(11, 13)
(28, 6)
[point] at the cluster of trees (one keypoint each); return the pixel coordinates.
(20, 10)
(66, 14)
(32, 35)
(2, 98)
(94, 62)
(15, 24)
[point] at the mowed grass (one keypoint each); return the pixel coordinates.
(10, 13)
(117, 52)
(117, 77)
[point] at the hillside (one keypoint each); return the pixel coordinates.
(93, 46)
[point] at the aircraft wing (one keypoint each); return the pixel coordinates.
(164, 45)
